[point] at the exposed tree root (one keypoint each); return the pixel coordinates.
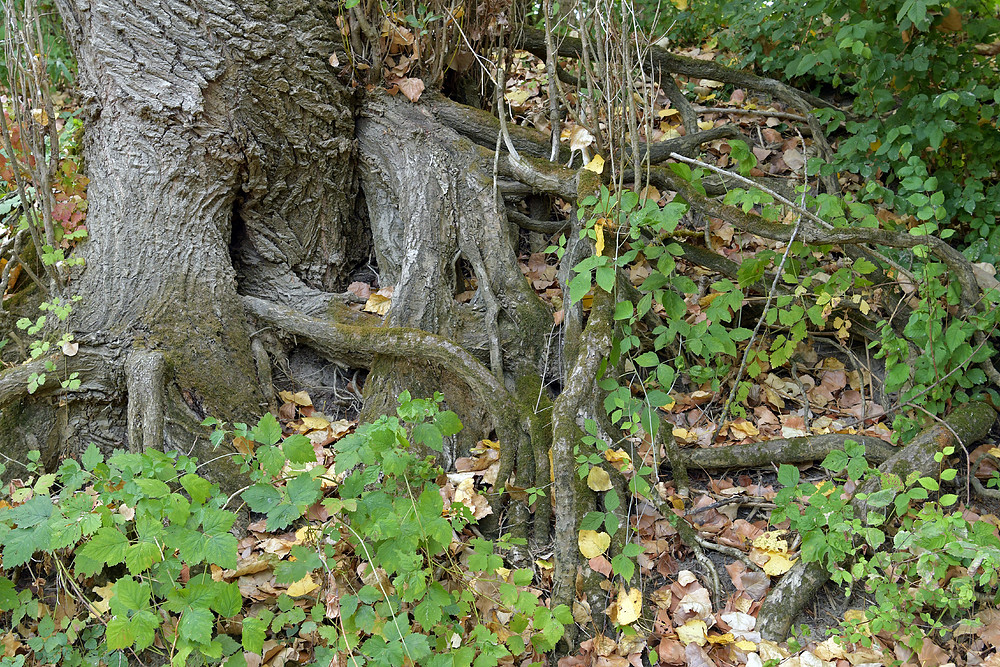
(967, 424)
(145, 377)
(572, 497)
(358, 345)
(482, 127)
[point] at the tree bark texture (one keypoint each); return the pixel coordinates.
(214, 128)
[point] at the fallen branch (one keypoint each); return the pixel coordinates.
(792, 450)
(96, 371)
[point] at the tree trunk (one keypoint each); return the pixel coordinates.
(216, 130)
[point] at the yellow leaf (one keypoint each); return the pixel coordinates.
(592, 543)
(680, 4)
(517, 97)
(694, 631)
(778, 564)
(743, 428)
(305, 534)
(596, 165)
(315, 423)
(299, 398)
(684, 436)
(771, 541)
(727, 638)
(705, 125)
(104, 604)
(599, 232)
(628, 607)
(667, 113)
(619, 457)
(745, 645)
(378, 304)
(40, 117)
(598, 479)
(302, 587)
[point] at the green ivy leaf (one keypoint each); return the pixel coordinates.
(199, 488)
(579, 286)
(271, 459)
(788, 475)
(141, 556)
(196, 625)
(119, 634)
(430, 436)
(228, 601)
(130, 596)
(144, 625)
(448, 422)
(303, 490)
(92, 457)
(261, 498)
(282, 516)
(605, 278)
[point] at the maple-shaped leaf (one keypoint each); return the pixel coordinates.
(268, 430)
(106, 547)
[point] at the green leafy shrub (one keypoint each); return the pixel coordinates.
(924, 96)
(136, 538)
(918, 564)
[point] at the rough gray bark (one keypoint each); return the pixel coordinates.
(213, 126)
(424, 238)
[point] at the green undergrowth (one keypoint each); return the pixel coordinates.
(914, 556)
(107, 558)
